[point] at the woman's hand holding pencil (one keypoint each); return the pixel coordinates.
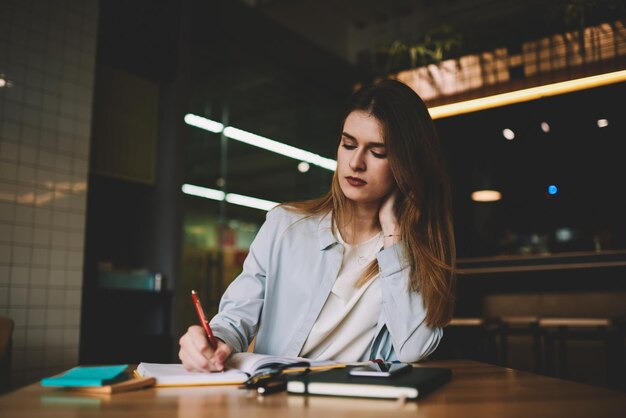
(199, 349)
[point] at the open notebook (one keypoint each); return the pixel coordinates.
(239, 367)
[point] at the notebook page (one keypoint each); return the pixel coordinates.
(251, 362)
(175, 375)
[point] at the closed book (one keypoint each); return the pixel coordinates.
(124, 386)
(84, 376)
(338, 382)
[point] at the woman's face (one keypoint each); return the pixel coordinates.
(362, 165)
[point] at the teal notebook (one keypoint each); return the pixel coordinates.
(83, 376)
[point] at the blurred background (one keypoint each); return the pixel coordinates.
(134, 164)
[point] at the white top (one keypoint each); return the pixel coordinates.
(345, 328)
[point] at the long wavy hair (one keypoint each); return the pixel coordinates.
(423, 205)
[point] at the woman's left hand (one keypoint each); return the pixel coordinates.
(388, 220)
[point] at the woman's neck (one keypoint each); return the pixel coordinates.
(361, 225)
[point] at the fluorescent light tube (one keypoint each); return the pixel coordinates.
(234, 198)
(261, 142)
(203, 123)
(251, 202)
(203, 192)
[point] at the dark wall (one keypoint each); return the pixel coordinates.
(583, 160)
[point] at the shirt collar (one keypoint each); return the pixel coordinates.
(325, 232)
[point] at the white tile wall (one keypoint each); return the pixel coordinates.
(47, 52)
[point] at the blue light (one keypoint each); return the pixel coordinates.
(552, 189)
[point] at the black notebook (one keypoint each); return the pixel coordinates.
(338, 382)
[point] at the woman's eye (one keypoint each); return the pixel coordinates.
(349, 146)
(379, 155)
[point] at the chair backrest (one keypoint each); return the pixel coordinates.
(6, 338)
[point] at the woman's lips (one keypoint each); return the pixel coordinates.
(355, 182)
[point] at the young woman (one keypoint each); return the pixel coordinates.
(366, 271)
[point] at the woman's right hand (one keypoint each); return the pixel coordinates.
(198, 356)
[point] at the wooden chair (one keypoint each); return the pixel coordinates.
(561, 330)
(520, 325)
(469, 338)
(6, 339)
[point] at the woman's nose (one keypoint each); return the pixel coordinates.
(357, 162)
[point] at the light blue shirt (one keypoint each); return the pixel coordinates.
(286, 279)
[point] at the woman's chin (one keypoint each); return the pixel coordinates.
(360, 199)
(359, 196)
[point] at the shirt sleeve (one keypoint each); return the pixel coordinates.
(240, 307)
(404, 336)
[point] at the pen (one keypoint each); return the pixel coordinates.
(203, 321)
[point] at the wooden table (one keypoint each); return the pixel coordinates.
(476, 390)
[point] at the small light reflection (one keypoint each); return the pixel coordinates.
(553, 189)
(564, 235)
(508, 134)
(4, 82)
(55, 191)
(303, 167)
(486, 196)
(26, 198)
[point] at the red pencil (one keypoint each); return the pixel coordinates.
(203, 321)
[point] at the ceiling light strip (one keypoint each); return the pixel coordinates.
(251, 202)
(204, 123)
(233, 198)
(526, 95)
(205, 192)
(261, 142)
